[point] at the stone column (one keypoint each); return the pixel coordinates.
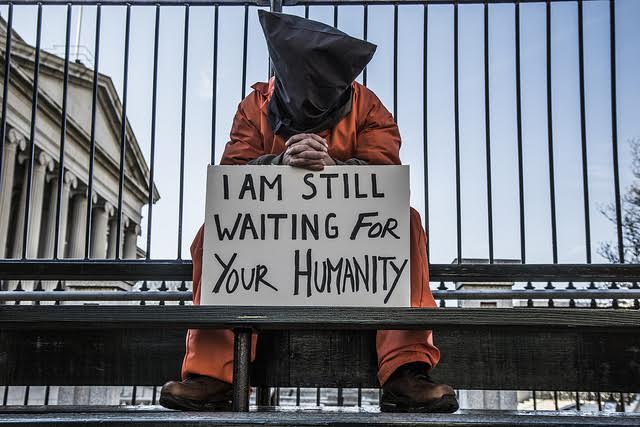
(131, 241)
(77, 225)
(113, 232)
(99, 228)
(14, 142)
(43, 164)
(69, 183)
(16, 251)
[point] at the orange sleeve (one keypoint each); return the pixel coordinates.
(378, 138)
(245, 140)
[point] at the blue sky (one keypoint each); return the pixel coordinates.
(440, 133)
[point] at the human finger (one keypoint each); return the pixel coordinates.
(296, 138)
(304, 146)
(318, 138)
(318, 146)
(306, 164)
(309, 154)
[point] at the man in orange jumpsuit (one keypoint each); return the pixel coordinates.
(311, 115)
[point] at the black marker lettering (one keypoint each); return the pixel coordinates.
(395, 281)
(359, 195)
(328, 177)
(314, 191)
(225, 271)
(277, 183)
(247, 185)
(374, 187)
(330, 231)
(360, 223)
(224, 232)
(307, 226)
(247, 225)
(225, 187)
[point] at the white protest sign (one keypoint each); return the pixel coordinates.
(283, 236)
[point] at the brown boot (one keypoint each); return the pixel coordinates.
(410, 389)
(197, 393)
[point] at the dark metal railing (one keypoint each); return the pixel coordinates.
(179, 269)
(621, 276)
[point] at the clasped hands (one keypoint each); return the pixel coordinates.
(307, 151)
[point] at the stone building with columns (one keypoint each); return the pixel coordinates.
(77, 154)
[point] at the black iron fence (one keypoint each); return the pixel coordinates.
(595, 284)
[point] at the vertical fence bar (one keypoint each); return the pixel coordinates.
(535, 401)
(614, 139)
(552, 190)
(242, 359)
(214, 88)
(614, 129)
(244, 50)
(183, 120)
(523, 258)
(456, 118)
(32, 134)
(425, 119)
(123, 131)
(552, 187)
(395, 62)
(263, 395)
(487, 129)
(365, 35)
(335, 16)
(154, 394)
(577, 401)
(583, 142)
(318, 396)
(92, 149)
(583, 135)
(152, 153)
(5, 91)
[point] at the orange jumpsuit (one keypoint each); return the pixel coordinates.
(367, 133)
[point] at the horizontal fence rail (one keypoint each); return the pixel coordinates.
(267, 3)
(42, 269)
(308, 318)
(158, 295)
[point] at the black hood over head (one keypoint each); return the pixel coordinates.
(315, 65)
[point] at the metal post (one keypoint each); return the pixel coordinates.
(274, 6)
(263, 396)
(241, 361)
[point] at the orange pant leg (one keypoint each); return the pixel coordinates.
(396, 348)
(210, 352)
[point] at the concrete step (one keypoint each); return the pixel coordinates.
(327, 416)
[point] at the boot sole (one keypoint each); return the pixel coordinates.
(180, 404)
(445, 405)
